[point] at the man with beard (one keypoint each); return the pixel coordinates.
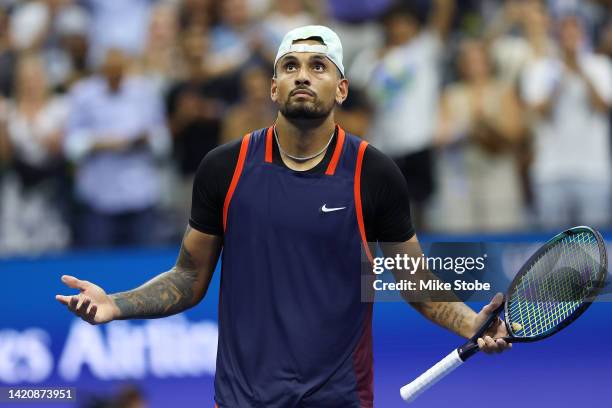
(294, 206)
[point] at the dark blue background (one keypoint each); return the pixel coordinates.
(572, 369)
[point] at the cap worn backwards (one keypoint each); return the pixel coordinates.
(331, 47)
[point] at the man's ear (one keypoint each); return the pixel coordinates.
(273, 90)
(342, 91)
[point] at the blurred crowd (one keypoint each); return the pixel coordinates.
(496, 111)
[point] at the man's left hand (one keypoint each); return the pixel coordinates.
(492, 342)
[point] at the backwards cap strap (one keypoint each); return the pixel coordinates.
(318, 48)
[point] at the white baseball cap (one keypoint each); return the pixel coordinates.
(331, 47)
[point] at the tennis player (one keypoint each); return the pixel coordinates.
(293, 206)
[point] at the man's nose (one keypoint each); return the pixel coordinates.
(302, 78)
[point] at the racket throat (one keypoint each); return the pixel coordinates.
(467, 350)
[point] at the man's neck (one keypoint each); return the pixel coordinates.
(303, 138)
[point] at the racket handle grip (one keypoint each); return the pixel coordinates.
(410, 391)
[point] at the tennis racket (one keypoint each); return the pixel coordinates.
(551, 290)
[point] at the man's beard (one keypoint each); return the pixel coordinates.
(302, 110)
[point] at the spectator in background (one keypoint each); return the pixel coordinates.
(356, 23)
(30, 23)
(161, 53)
(569, 96)
(284, 17)
(8, 57)
(605, 43)
(4, 143)
(479, 127)
(592, 13)
(31, 219)
(403, 81)
(195, 106)
(355, 113)
(69, 57)
(234, 40)
(196, 13)
(255, 110)
(526, 39)
(40, 26)
(118, 24)
(605, 48)
(514, 37)
(116, 130)
(5, 154)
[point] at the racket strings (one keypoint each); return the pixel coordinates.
(555, 285)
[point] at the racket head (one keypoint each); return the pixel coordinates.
(556, 285)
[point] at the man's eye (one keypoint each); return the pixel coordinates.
(319, 67)
(290, 67)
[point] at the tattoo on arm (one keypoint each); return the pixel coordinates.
(455, 316)
(444, 308)
(167, 294)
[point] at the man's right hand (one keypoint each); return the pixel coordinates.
(92, 304)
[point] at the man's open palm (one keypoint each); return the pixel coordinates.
(92, 304)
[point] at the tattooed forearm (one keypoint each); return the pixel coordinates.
(455, 316)
(444, 308)
(169, 293)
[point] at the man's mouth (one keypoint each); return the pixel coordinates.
(301, 92)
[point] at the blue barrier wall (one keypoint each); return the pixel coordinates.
(172, 359)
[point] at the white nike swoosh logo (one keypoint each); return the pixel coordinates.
(325, 209)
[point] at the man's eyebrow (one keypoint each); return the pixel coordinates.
(288, 58)
(318, 57)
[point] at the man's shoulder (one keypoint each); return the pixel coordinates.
(371, 152)
(378, 165)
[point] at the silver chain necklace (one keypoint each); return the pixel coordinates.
(302, 159)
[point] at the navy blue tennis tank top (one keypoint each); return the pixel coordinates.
(293, 331)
